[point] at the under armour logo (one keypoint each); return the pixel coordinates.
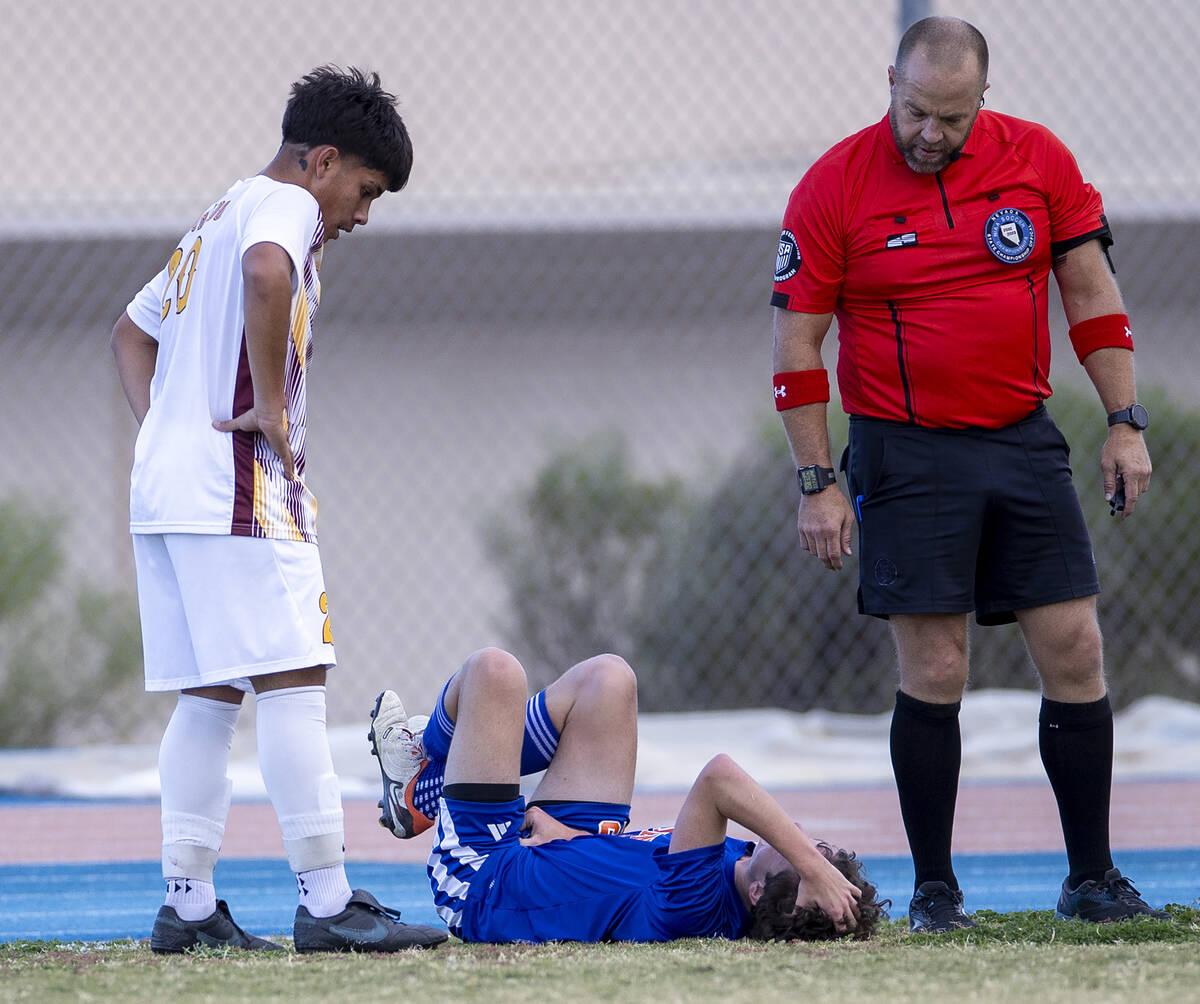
(1128, 332)
(780, 391)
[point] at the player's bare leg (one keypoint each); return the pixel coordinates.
(594, 707)
(486, 700)
(219, 692)
(581, 731)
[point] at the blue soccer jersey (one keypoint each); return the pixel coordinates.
(626, 887)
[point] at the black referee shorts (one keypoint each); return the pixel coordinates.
(953, 520)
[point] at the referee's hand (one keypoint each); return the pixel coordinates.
(825, 521)
(1125, 462)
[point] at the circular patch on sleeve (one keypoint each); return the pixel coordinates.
(787, 261)
(1009, 235)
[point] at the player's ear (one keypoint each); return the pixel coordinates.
(325, 159)
(755, 891)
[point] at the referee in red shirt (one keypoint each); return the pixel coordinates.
(931, 236)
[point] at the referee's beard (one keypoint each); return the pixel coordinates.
(911, 151)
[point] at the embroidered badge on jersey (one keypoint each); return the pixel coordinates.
(787, 261)
(908, 240)
(1009, 235)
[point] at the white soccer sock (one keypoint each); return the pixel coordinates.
(192, 759)
(192, 899)
(297, 769)
(324, 891)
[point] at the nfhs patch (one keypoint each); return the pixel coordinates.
(787, 261)
(1009, 235)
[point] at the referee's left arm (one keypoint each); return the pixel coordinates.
(1091, 298)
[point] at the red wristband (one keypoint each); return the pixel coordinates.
(1104, 332)
(799, 387)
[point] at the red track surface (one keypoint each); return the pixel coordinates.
(992, 818)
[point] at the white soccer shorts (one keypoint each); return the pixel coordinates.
(221, 609)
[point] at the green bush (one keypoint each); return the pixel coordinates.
(70, 655)
(574, 550)
(711, 598)
(740, 616)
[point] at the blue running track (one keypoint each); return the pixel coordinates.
(114, 900)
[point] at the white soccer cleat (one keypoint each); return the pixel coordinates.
(396, 742)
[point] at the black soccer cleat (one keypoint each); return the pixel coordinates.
(172, 935)
(1112, 898)
(364, 926)
(935, 908)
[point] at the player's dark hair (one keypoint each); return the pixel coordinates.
(947, 39)
(350, 110)
(775, 917)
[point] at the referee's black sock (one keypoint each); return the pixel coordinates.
(926, 755)
(1076, 742)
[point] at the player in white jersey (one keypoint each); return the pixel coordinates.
(213, 354)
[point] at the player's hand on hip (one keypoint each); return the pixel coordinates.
(274, 429)
(544, 828)
(1125, 460)
(825, 522)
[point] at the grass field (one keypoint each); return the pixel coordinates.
(1015, 957)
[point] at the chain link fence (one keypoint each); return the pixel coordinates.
(540, 408)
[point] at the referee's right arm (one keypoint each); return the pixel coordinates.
(825, 520)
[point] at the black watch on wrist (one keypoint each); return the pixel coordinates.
(815, 479)
(1135, 415)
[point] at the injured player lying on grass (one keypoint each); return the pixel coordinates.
(565, 867)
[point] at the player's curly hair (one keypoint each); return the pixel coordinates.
(350, 110)
(775, 917)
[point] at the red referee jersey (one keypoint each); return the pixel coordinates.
(939, 281)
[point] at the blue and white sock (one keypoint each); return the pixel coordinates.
(439, 730)
(537, 749)
(541, 737)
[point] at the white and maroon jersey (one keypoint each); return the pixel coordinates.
(187, 476)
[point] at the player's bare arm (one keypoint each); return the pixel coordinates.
(267, 278)
(136, 353)
(1089, 290)
(724, 792)
(824, 521)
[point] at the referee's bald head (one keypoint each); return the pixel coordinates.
(946, 42)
